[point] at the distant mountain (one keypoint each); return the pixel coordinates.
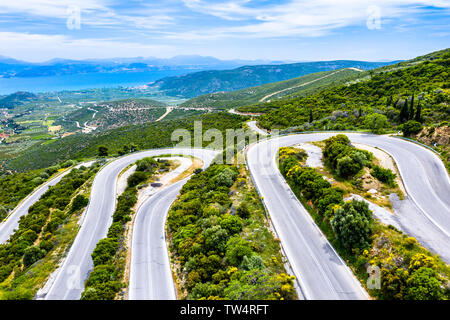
(15, 99)
(13, 68)
(205, 82)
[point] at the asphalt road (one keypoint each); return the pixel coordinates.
(68, 284)
(8, 226)
(150, 272)
(320, 271)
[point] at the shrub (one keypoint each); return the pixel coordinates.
(353, 224)
(384, 175)
(243, 211)
(146, 165)
(237, 249)
(32, 254)
(104, 251)
(136, 178)
(79, 202)
(411, 127)
(423, 284)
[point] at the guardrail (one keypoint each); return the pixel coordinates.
(419, 143)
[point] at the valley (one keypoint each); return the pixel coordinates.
(268, 224)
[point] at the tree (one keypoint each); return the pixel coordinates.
(418, 116)
(376, 122)
(404, 111)
(102, 151)
(411, 109)
(353, 224)
(311, 118)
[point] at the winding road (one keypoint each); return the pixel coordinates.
(11, 223)
(320, 271)
(69, 281)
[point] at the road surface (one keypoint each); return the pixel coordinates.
(68, 284)
(150, 272)
(321, 272)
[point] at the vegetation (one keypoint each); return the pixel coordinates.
(253, 95)
(15, 187)
(145, 136)
(220, 244)
(408, 91)
(205, 82)
(24, 258)
(105, 280)
(384, 175)
(408, 271)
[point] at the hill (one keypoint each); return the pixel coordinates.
(15, 99)
(399, 92)
(113, 114)
(205, 82)
(144, 136)
(267, 92)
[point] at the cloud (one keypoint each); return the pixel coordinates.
(45, 47)
(298, 17)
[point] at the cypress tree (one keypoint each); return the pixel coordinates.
(404, 111)
(411, 110)
(418, 117)
(311, 118)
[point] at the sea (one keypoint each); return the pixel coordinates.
(84, 81)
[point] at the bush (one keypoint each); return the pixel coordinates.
(423, 284)
(384, 175)
(411, 127)
(237, 249)
(353, 224)
(136, 178)
(104, 251)
(32, 254)
(243, 211)
(79, 202)
(146, 165)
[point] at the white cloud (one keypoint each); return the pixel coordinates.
(298, 17)
(45, 47)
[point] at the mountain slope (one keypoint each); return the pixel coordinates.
(396, 92)
(267, 92)
(15, 99)
(204, 82)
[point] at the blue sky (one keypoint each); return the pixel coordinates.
(297, 30)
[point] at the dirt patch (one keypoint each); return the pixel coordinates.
(435, 136)
(385, 161)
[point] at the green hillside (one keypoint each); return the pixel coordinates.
(299, 86)
(144, 136)
(198, 83)
(413, 90)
